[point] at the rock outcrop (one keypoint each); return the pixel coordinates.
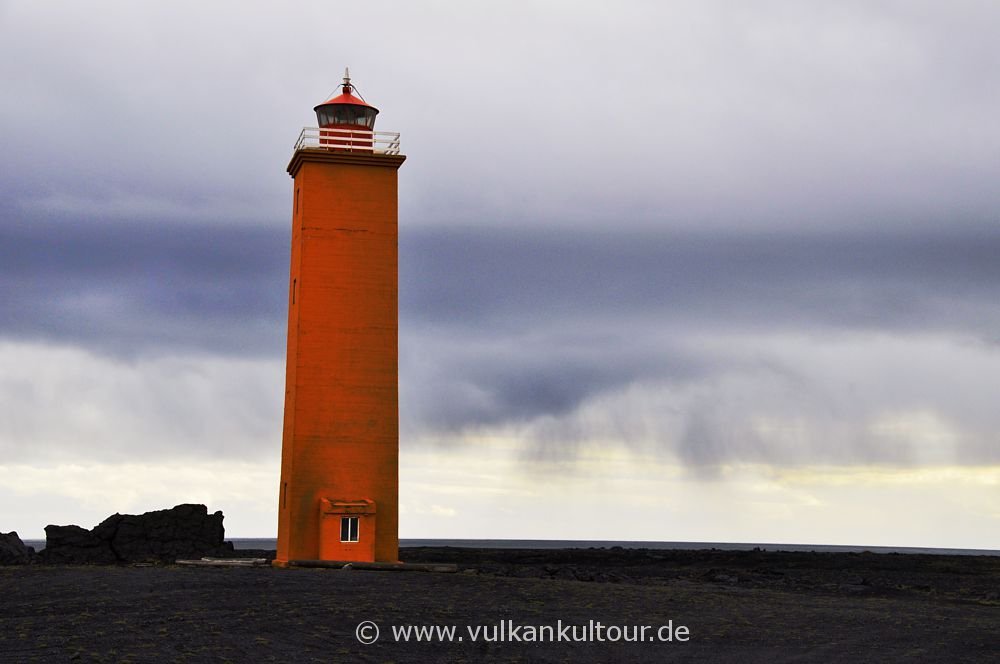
(185, 531)
(13, 551)
(75, 545)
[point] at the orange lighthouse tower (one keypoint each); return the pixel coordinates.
(338, 496)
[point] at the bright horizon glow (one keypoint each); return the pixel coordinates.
(482, 495)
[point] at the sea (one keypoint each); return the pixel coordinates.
(271, 543)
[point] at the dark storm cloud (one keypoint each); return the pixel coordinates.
(126, 289)
(505, 280)
(221, 288)
(601, 298)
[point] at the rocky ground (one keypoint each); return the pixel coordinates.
(759, 606)
(960, 578)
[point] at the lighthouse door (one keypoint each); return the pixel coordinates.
(347, 530)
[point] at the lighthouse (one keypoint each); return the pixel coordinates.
(338, 493)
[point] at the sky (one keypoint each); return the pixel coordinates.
(671, 271)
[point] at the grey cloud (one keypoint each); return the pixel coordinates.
(693, 113)
(877, 280)
(796, 410)
(126, 289)
(458, 378)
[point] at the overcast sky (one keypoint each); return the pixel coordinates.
(735, 264)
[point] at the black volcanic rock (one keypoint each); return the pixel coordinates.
(185, 531)
(13, 551)
(75, 545)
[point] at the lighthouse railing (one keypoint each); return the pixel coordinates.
(377, 142)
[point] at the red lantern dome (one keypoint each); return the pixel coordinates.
(345, 111)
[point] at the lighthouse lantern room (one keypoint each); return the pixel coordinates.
(346, 111)
(346, 121)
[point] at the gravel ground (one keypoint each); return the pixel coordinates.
(737, 606)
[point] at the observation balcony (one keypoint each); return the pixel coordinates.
(349, 140)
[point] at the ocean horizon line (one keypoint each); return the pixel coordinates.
(268, 543)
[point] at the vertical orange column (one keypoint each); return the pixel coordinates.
(340, 443)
